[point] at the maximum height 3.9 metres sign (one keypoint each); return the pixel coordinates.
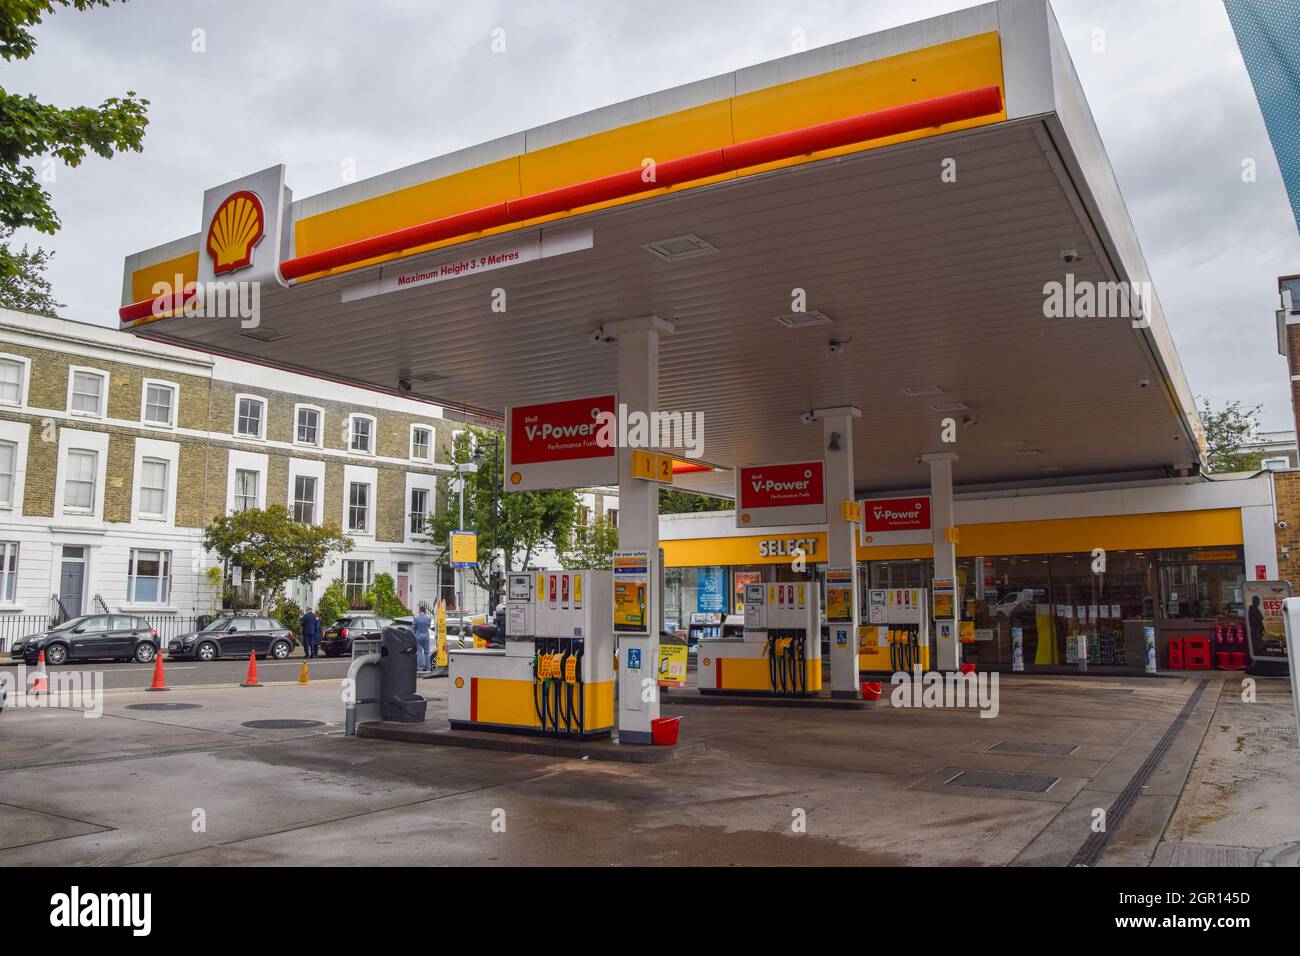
(789, 493)
(568, 444)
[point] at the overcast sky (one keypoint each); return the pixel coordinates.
(385, 83)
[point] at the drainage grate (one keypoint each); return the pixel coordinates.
(1040, 750)
(282, 724)
(1091, 850)
(999, 780)
(164, 706)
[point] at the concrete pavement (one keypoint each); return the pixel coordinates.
(751, 786)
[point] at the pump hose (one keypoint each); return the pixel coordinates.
(771, 662)
(537, 686)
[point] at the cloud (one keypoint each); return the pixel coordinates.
(384, 84)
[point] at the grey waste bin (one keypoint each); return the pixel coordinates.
(397, 697)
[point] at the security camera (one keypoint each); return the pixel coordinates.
(836, 346)
(1144, 383)
(1070, 256)
(404, 386)
(598, 336)
(1281, 526)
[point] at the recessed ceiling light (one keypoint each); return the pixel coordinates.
(679, 247)
(803, 320)
(916, 391)
(951, 407)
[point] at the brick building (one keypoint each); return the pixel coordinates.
(116, 451)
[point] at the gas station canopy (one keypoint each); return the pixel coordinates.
(869, 224)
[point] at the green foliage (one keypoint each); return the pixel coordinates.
(333, 603)
(675, 502)
(1225, 432)
(382, 597)
(30, 128)
(526, 521)
(593, 547)
(288, 613)
(275, 549)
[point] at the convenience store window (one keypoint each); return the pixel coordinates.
(1201, 584)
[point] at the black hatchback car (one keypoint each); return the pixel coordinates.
(339, 636)
(114, 637)
(234, 635)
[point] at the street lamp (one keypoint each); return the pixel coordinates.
(464, 469)
(479, 458)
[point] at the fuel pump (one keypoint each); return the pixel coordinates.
(900, 619)
(555, 674)
(780, 652)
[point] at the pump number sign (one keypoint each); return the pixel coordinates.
(567, 444)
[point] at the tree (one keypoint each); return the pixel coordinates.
(593, 547)
(675, 502)
(269, 545)
(27, 289)
(382, 597)
(30, 128)
(1226, 431)
(333, 603)
(526, 521)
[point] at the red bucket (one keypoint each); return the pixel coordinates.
(871, 690)
(663, 731)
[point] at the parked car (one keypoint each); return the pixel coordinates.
(338, 637)
(115, 637)
(235, 635)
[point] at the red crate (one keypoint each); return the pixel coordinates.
(1196, 653)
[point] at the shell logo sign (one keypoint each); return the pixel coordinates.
(237, 226)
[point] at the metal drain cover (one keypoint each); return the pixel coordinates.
(282, 724)
(1042, 750)
(999, 780)
(161, 706)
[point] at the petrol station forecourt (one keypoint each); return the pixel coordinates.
(824, 257)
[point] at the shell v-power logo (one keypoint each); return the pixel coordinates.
(237, 227)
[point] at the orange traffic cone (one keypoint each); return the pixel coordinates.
(40, 685)
(251, 679)
(157, 683)
(302, 675)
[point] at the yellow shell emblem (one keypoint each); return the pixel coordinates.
(237, 227)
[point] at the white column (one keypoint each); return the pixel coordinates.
(638, 525)
(947, 640)
(842, 543)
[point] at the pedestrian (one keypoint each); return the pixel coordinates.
(421, 624)
(311, 633)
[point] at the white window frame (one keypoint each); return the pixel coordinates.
(433, 436)
(320, 425)
(428, 482)
(76, 439)
(9, 551)
(369, 567)
(25, 378)
(238, 460)
(234, 425)
(257, 490)
(73, 372)
(168, 452)
(8, 503)
(160, 515)
(164, 579)
(315, 497)
(96, 457)
(144, 402)
(368, 523)
(374, 434)
(411, 512)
